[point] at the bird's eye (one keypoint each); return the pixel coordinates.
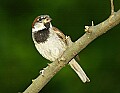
(47, 19)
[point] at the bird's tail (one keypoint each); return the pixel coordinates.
(77, 68)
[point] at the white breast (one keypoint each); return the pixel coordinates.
(53, 48)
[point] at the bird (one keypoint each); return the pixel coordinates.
(51, 43)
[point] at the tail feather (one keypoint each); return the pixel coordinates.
(77, 68)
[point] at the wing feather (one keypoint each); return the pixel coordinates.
(60, 34)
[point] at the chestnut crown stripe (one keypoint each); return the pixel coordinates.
(36, 20)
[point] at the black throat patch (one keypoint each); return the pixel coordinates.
(41, 35)
(47, 25)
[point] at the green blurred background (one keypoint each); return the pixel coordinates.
(20, 62)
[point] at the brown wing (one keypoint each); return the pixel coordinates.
(60, 34)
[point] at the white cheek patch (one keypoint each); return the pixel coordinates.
(38, 26)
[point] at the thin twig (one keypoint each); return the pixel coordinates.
(92, 23)
(112, 7)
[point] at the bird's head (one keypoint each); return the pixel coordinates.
(42, 22)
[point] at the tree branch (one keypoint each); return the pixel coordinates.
(92, 32)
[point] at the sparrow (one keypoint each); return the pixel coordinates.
(51, 43)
